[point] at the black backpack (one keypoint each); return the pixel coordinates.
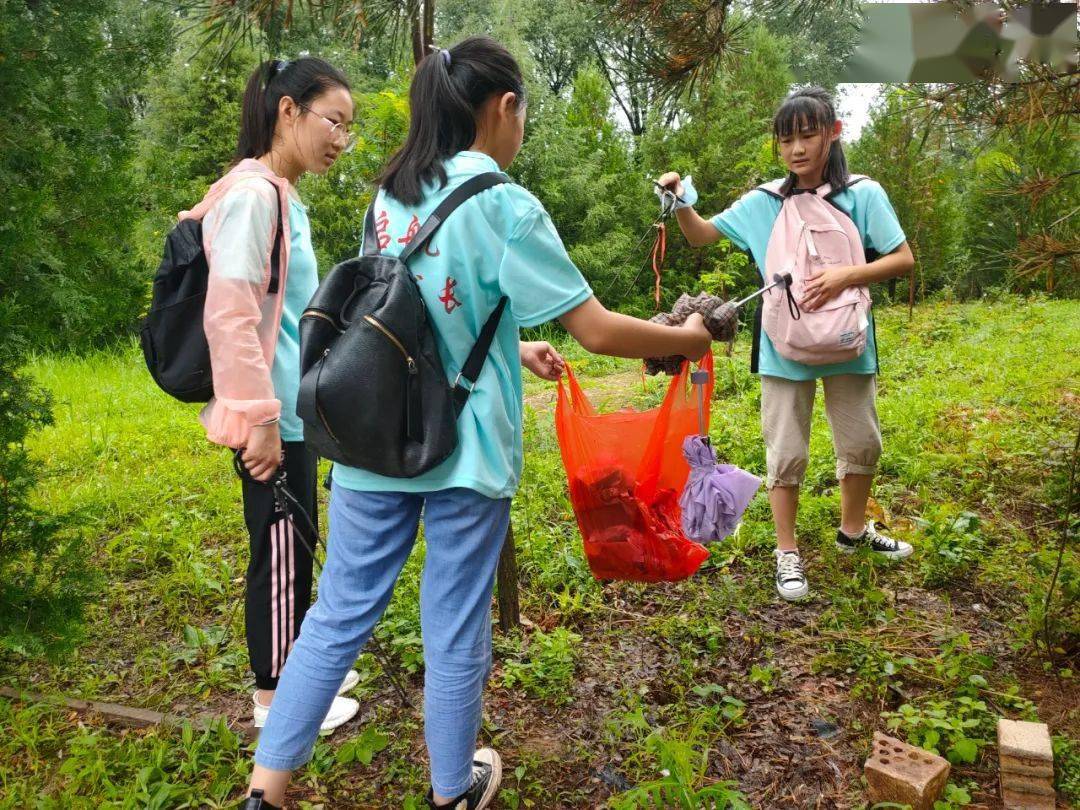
(373, 391)
(173, 341)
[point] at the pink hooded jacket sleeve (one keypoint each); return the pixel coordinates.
(241, 319)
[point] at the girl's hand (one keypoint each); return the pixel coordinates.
(541, 359)
(825, 286)
(262, 454)
(673, 181)
(696, 325)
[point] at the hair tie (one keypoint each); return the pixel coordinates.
(278, 66)
(446, 57)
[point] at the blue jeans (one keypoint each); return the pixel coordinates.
(371, 536)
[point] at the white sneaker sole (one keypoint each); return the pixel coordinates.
(493, 759)
(793, 594)
(892, 555)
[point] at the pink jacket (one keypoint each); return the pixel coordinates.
(241, 319)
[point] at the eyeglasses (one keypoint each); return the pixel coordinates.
(337, 131)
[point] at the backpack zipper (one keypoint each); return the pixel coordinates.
(318, 408)
(314, 313)
(393, 339)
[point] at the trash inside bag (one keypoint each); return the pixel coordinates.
(626, 472)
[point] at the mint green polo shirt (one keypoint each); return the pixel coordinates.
(748, 223)
(499, 243)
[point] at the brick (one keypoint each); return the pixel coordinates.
(1026, 767)
(1026, 784)
(1026, 801)
(903, 774)
(1023, 740)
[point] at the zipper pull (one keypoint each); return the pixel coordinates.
(413, 370)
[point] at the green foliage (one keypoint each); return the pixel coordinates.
(952, 544)
(918, 170)
(954, 797)
(363, 748)
(1067, 767)
(683, 761)
(958, 728)
(546, 667)
(1002, 224)
(43, 576)
(96, 768)
(67, 276)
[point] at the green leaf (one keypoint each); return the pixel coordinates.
(963, 750)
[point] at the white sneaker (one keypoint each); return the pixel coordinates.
(791, 581)
(877, 543)
(351, 679)
(342, 710)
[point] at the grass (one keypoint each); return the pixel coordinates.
(620, 694)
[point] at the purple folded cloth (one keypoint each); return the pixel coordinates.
(716, 495)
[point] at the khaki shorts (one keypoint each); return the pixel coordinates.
(786, 409)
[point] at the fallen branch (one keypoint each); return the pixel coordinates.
(127, 716)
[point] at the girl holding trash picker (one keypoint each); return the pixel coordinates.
(835, 233)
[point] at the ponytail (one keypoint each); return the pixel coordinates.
(812, 108)
(447, 91)
(302, 80)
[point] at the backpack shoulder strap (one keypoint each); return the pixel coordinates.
(772, 188)
(371, 236)
(470, 188)
(275, 251)
(852, 180)
(474, 363)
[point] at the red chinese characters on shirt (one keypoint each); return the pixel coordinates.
(382, 226)
(448, 299)
(414, 226)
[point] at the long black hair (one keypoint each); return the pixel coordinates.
(810, 108)
(448, 89)
(303, 80)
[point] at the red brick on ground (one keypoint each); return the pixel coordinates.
(903, 774)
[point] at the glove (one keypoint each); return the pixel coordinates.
(689, 195)
(721, 319)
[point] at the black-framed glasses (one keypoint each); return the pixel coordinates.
(337, 131)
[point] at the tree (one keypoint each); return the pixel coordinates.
(228, 24)
(1022, 201)
(917, 166)
(66, 276)
(558, 34)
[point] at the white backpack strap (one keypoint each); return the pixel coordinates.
(829, 192)
(772, 188)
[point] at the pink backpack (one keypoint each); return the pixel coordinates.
(809, 235)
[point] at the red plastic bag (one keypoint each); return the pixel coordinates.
(626, 471)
